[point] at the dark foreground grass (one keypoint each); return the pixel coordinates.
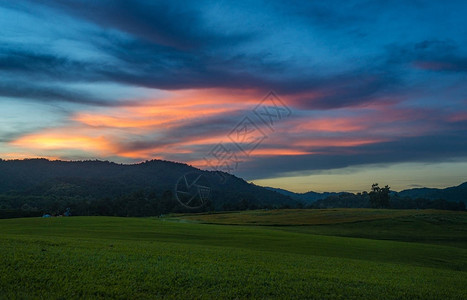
(99, 257)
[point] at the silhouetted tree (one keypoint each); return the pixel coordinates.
(379, 197)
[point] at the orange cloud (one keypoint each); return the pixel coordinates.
(125, 131)
(175, 110)
(279, 152)
(337, 142)
(62, 141)
(26, 155)
(329, 125)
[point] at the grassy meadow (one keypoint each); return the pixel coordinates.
(283, 254)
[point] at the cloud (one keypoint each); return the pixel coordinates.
(362, 88)
(53, 94)
(431, 55)
(175, 24)
(148, 57)
(430, 148)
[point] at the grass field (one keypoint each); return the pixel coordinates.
(423, 226)
(301, 254)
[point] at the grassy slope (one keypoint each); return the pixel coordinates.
(289, 217)
(145, 258)
(423, 226)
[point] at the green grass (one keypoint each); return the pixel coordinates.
(290, 217)
(423, 226)
(103, 257)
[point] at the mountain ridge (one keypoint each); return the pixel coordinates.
(149, 187)
(453, 193)
(32, 181)
(307, 197)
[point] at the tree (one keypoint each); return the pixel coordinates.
(379, 197)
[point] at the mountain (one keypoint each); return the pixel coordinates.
(103, 187)
(448, 198)
(306, 198)
(454, 194)
(35, 186)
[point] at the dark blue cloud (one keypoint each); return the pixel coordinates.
(176, 24)
(173, 46)
(428, 148)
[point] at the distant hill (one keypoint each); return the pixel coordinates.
(53, 185)
(452, 194)
(455, 193)
(308, 197)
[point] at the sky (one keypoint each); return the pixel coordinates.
(301, 95)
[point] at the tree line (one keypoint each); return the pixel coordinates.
(150, 203)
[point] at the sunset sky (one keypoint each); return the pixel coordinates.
(365, 91)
